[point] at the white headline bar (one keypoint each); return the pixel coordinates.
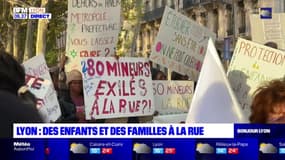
(123, 130)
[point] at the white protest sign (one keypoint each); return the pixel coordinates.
(180, 44)
(172, 97)
(40, 84)
(251, 65)
(117, 88)
(265, 30)
(214, 100)
(92, 30)
(37, 67)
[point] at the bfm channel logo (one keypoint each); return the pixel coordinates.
(30, 13)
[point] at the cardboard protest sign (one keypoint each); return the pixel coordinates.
(37, 67)
(47, 103)
(92, 30)
(214, 100)
(180, 44)
(172, 97)
(117, 88)
(251, 65)
(265, 30)
(40, 84)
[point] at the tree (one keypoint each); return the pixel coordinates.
(28, 53)
(131, 13)
(15, 29)
(29, 45)
(6, 27)
(42, 31)
(57, 25)
(18, 36)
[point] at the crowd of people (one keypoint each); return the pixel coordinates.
(18, 104)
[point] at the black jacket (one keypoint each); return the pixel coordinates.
(68, 109)
(12, 110)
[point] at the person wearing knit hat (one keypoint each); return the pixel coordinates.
(73, 75)
(75, 93)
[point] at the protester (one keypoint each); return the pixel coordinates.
(61, 73)
(268, 105)
(68, 110)
(12, 74)
(158, 75)
(12, 110)
(272, 45)
(12, 107)
(178, 76)
(75, 93)
(54, 74)
(27, 97)
(59, 77)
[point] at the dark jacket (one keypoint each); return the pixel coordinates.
(12, 110)
(68, 112)
(66, 98)
(68, 109)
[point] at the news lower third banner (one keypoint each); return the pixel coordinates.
(146, 141)
(27, 130)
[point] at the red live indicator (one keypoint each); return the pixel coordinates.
(170, 150)
(107, 150)
(233, 151)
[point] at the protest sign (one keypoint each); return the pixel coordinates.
(214, 100)
(265, 30)
(37, 67)
(251, 65)
(117, 88)
(172, 97)
(180, 44)
(92, 30)
(40, 84)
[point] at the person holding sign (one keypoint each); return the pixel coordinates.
(158, 75)
(13, 79)
(68, 110)
(178, 76)
(12, 107)
(271, 44)
(268, 105)
(75, 93)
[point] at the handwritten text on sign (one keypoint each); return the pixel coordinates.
(117, 88)
(181, 44)
(40, 84)
(92, 29)
(251, 65)
(37, 67)
(172, 96)
(46, 98)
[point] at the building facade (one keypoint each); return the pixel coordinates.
(227, 18)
